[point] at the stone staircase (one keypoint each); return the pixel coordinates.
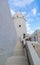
(18, 57)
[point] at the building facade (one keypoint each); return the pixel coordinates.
(36, 36)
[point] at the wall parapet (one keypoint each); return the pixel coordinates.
(32, 55)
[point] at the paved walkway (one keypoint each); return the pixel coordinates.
(18, 57)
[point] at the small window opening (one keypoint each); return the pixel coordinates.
(24, 35)
(17, 16)
(19, 25)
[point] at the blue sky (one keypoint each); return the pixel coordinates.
(31, 9)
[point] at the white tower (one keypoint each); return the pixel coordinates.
(20, 24)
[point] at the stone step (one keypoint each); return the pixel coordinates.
(16, 60)
(18, 57)
(18, 53)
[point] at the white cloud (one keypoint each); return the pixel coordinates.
(12, 12)
(30, 19)
(21, 3)
(34, 11)
(29, 31)
(24, 13)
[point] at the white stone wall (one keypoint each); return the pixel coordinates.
(7, 32)
(20, 20)
(32, 55)
(39, 36)
(36, 34)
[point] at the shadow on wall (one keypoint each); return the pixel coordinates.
(7, 32)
